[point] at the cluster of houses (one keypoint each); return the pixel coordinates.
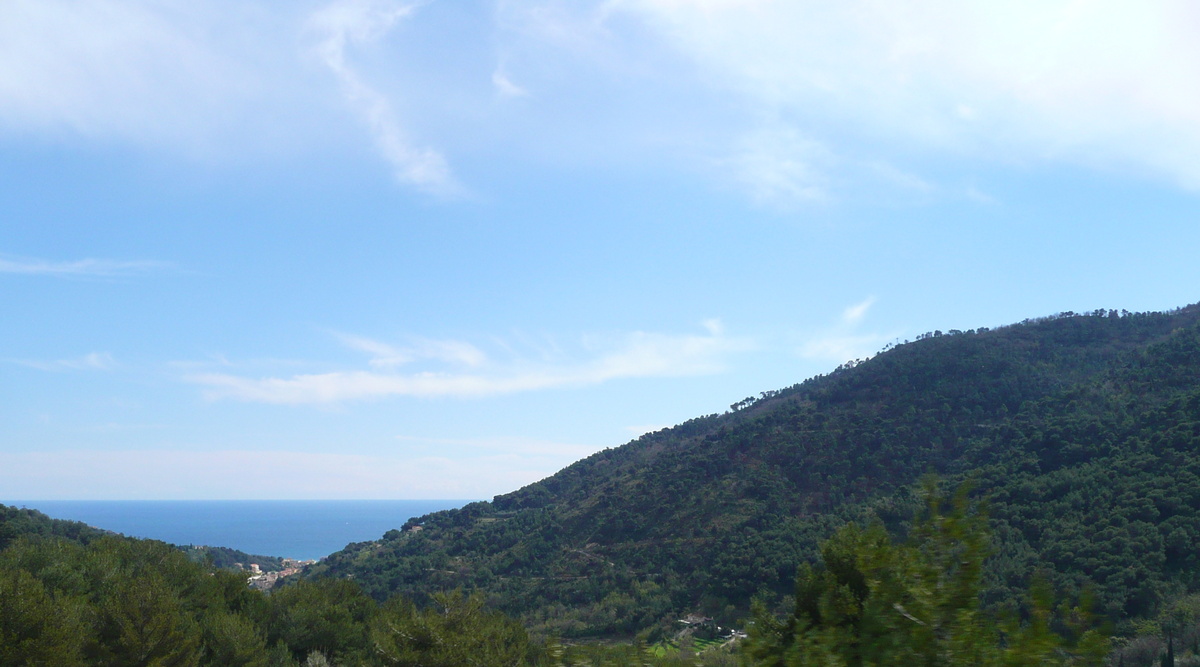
(265, 580)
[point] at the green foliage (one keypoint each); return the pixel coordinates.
(234, 640)
(119, 601)
(1082, 430)
(455, 631)
(328, 616)
(17, 522)
(141, 622)
(230, 559)
(698, 654)
(875, 602)
(35, 628)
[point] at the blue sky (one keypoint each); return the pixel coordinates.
(377, 249)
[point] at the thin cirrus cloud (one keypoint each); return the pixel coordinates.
(384, 355)
(855, 313)
(510, 445)
(168, 74)
(76, 268)
(636, 355)
(94, 361)
(778, 166)
(1094, 84)
(791, 101)
(159, 473)
(344, 24)
(843, 341)
(505, 86)
(204, 78)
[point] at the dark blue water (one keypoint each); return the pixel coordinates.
(302, 529)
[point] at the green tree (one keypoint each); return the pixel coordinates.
(233, 640)
(143, 623)
(35, 629)
(327, 616)
(875, 602)
(455, 631)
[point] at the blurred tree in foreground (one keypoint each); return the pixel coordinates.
(875, 602)
(455, 631)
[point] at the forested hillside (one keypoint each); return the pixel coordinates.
(121, 601)
(22, 521)
(226, 558)
(18, 521)
(1081, 431)
(74, 595)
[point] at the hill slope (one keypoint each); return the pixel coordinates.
(24, 522)
(1083, 431)
(16, 522)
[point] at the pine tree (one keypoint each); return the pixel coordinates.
(875, 602)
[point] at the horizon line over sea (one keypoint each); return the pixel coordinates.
(300, 529)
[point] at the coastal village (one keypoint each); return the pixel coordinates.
(264, 581)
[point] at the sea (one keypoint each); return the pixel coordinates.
(300, 529)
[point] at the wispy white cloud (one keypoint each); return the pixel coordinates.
(854, 314)
(803, 97)
(163, 74)
(905, 180)
(93, 361)
(346, 23)
(81, 267)
(1105, 83)
(576, 27)
(842, 347)
(509, 444)
(980, 197)
(205, 78)
(384, 355)
(505, 86)
(844, 341)
(237, 474)
(635, 355)
(777, 165)
(220, 360)
(714, 326)
(119, 427)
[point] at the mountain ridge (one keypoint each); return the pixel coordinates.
(707, 514)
